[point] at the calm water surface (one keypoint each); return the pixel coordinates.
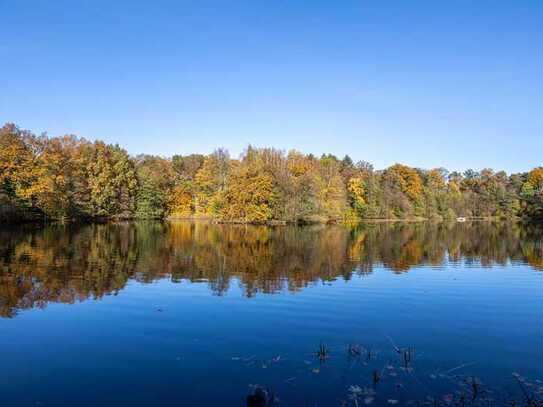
(200, 314)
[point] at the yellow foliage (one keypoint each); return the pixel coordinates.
(454, 188)
(210, 183)
(249, 194)
(435, 180)
(356, 189)
(299, 164)
(535, 178)
(180, 202)
(409, 180)
(330, 191)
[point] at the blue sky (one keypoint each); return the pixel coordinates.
(450, 83)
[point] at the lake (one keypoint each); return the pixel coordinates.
(197, 314)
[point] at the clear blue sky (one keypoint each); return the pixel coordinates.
(427, 83)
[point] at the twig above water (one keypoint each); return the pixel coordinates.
(459, 367)
(393, 344)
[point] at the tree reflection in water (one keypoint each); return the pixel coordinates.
(78, 262)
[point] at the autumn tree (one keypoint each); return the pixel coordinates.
(330, 189)
(156, 179)
(402, 191)
(71, 178)
(249, 194)
(210, 182)
(302, 201)
(532, 193)
(112, 181)
(16, 160)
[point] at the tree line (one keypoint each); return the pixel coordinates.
(72, 178)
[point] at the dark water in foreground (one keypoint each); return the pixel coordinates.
(198, 314)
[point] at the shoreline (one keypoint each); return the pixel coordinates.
(104, 220)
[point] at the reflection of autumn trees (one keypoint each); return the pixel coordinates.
(263, 259)
(402, 246)
(62, 265)
(74, 263)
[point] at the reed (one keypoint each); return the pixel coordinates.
(323, 352)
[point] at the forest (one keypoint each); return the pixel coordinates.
(70, 178)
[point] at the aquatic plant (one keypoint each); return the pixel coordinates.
(354, 350)
(407, 355)
(262, 397)
(376, 377)
(529, 397)
(323, 352)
